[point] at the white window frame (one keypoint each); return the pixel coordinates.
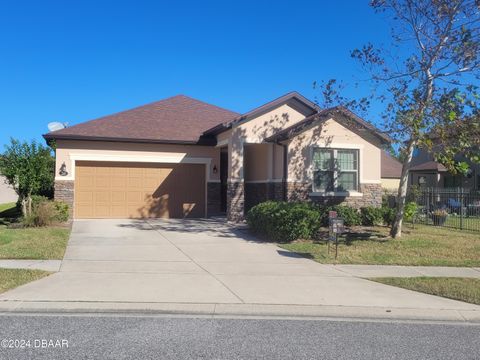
(334, 151)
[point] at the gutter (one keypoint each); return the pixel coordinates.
(206, 141)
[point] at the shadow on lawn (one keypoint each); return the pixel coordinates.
(295, 254)
(355, 234)
(9, 216)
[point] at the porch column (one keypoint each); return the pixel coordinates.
(235, 185)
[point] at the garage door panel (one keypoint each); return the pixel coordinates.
(118, 181)
(126, 190)
(85, 180)
(102, 197)
(118, 197)
(84, 196)
(134, 182)
(102, 181)
(102, 211)
(118, 211)
(119, 171)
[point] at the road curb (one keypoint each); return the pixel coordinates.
(243, 310)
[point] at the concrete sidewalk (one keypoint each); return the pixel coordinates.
(372, 271)
(361, 271)
(46, 265)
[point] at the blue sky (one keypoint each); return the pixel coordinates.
(73, 61)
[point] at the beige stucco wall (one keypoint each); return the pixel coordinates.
(331, 134)
(277, 172)
(258, 162)
(390, 184)
(255, 131)
(69, 151)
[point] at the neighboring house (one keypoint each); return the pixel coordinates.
(426, 172)
(181, 157)
(7, 194)
(391, 172)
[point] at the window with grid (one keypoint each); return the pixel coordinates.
(335, 170)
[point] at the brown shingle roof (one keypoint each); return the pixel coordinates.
(429, 166)
(178, 119)
(391, 167)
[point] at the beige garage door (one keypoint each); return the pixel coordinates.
(131, 190)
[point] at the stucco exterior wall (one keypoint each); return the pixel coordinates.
(7, 194)
(255, 131)
(390, 184)
(258, 162)
(69, 151)
(331, 134)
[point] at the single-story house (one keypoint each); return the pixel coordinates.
(391, 172)
(7, 194)
(428, 173)
(181, 157)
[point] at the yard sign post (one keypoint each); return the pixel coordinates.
(335, 228)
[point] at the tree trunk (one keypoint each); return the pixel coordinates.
(29, 202)
(396, 230)
(24, 206)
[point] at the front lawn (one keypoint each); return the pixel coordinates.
(33, 243)
(30, 243)
(423, 245)
(11, 278)
(463, 289)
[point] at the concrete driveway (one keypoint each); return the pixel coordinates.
(202, 262)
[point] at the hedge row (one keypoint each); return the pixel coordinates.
(287, 221)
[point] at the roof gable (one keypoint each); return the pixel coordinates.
(293, 99)
(339, 114)
(178, 119)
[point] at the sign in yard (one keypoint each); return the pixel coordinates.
(336, 226)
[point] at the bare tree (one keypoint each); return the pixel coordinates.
(426, 80)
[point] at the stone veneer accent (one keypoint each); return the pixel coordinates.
(372, 195)
(64, 191)
(214, 206)
(235, 201)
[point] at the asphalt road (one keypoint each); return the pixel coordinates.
(160, 337)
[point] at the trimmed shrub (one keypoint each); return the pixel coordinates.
(388, 215)
(283, 221)
(37, 199)
(372, 216)
(350, 215)
(61, 211)
(411, 209)
(46, 213)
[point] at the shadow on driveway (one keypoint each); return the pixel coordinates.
(217, 227)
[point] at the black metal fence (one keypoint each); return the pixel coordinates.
(454, 208)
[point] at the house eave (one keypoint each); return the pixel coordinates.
(205, 141)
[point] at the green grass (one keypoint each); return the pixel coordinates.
(423, 245)
(29, 243)
(463, 289)
(11, 278)
(472, 223)
(5, 207)
(33, 243)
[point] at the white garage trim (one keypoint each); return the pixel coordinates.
(161, 158)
